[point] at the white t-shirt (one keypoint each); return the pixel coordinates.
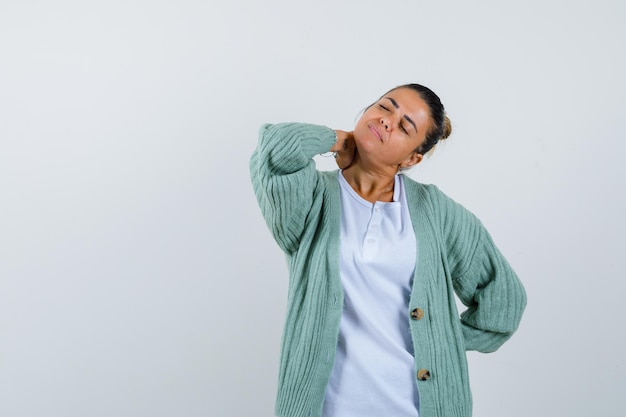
(373, 373)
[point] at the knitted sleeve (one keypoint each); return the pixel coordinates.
(483, 280)
(284, 176)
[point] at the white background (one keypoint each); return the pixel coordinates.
(137, 277)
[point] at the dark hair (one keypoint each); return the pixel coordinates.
(441, 127)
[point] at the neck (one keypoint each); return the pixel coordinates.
(370, 185)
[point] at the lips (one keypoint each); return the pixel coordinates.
(376, 132)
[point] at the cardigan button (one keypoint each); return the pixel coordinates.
(417, 314)
(423, 374)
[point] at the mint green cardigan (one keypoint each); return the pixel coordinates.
(301, 206)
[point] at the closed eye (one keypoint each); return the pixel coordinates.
(383, 107)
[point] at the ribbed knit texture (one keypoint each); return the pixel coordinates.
(456, 254)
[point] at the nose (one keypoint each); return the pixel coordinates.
(385, 122)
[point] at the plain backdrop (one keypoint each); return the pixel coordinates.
(137, 276)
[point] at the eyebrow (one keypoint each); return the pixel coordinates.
(405, 117)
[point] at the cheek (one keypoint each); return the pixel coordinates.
(361, 131)
(415, 145)
(365, 140)
(405, 148)
(417, 141)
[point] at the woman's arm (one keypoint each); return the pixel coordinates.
(494, 296)
(284, 176)
(483, 280)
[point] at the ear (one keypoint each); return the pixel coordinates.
(413, 159)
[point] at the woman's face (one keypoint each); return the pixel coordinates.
(390, 130)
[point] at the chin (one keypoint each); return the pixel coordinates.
(367, 146)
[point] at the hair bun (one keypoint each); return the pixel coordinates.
(447, 127)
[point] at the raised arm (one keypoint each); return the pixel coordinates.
(284, 177)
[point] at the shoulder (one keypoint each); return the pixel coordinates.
(330, 176)
(435, 204)
(425, 193)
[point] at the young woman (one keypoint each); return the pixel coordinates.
(374, 261)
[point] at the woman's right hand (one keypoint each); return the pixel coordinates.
(344, 148)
